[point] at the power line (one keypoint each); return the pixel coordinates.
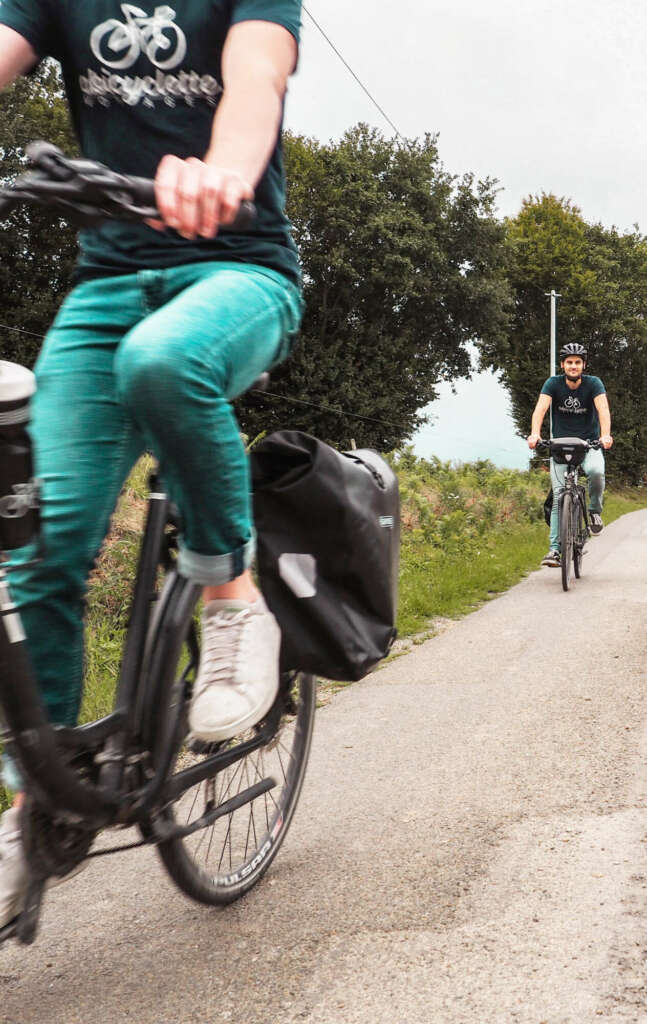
(349, 68)
(20, 330)
(287, 398)
(326, 408)
(295, 401)
(267, 394)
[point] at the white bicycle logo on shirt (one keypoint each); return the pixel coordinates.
(152, 35)
(572, 403)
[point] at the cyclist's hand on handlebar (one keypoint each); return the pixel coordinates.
(533, 439)
(194, 197)
(606, 440)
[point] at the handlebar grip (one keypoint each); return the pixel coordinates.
(244, 218)
(143, 191)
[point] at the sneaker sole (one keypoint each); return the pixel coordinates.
(231, 729)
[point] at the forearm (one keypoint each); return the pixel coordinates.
(604, 417)
(245, 128)
(16, 55)
(197, 196)
(537, 421)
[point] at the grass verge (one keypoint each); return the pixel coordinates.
(447, 584)
(468, 533)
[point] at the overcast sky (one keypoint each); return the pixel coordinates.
(545, 96)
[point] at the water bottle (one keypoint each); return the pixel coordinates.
(18, 489)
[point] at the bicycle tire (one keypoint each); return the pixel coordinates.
(222, 862)
(580, 535)
(566, 538)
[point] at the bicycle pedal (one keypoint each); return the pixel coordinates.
(197, 746)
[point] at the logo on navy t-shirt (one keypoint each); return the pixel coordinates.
(157, 37)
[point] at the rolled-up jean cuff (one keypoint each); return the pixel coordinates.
(214, 570)
(10, 774)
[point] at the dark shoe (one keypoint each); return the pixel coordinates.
(553, 558)
(595, 522)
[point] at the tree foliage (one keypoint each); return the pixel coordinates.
(601, 275)
(37, 251)
(402, 267)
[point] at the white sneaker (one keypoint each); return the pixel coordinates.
(13, 867)
(238, 677)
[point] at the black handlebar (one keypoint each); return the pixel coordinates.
(87, 192)
(547, 444)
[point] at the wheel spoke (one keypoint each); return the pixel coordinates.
(215, 861)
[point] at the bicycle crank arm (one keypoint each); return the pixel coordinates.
(164, 830)
(8, 932)
(25, 926)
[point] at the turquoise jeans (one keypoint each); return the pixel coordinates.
(143, 361)
(593, 467)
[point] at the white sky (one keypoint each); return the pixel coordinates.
(545, 96)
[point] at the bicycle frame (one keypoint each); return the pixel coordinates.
(573, 486)
(41, 749)
(573, 533)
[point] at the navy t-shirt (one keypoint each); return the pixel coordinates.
(144, 79)
(573, 409)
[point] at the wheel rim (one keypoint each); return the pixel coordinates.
(238, 846)
(567, 541)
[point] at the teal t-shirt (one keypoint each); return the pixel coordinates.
(143, 80)
(573, 410)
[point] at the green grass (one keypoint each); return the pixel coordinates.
(449, 583)
(468, 533)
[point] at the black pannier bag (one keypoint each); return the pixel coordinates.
(548, 507)
(328, 552)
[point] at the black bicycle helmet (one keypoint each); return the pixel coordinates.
(573, 348)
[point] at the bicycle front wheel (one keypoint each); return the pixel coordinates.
(220, 862)
(566, 538)
(579, 539)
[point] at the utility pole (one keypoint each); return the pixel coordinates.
(554, 296)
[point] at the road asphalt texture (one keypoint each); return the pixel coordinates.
(470, 846)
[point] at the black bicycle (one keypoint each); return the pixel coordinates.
(217, 812)
(574, 530)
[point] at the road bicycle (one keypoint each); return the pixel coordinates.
(217, 812)
(574, 530)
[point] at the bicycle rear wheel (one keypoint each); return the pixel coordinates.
(219, 863)
(566, 538)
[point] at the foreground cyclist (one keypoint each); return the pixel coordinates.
(166, 325)
(580, 408)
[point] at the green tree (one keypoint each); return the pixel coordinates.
(402, 267)
(37, 251)
(601, 275)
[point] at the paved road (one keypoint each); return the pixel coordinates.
(470, 846)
